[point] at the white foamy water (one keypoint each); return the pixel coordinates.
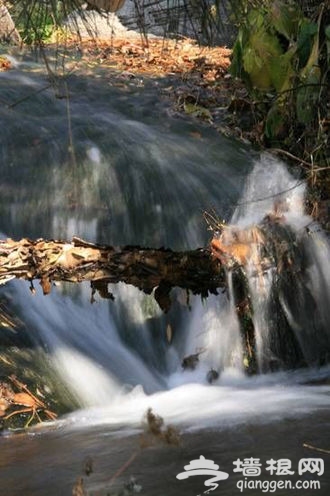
(234, 400)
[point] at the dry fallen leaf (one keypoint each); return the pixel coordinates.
(78, 488)
(46, 285)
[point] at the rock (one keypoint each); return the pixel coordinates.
(212, 376)
(8, 31)
(159, 18)
(190, 362)
(101, 25)
(181, 18)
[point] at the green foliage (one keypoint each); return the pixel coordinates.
(37, 20)
(261, 50)
(275, 121)
(34, 24)
(306, 35)
(278, 53)
(282, 70)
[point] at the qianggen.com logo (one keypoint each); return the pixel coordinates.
(271, 486)
(251, 469)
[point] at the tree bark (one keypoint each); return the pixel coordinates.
(146, 268)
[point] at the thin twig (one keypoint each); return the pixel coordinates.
(293, 157)
(299, 87)
(321, 450)
(123, 467)
(21, 100)
(274, 195)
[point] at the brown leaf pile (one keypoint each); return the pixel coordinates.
(5, 64)
(159, 57)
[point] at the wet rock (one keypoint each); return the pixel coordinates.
(212, 376)
(190, 362)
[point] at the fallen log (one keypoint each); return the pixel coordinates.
(146, 268)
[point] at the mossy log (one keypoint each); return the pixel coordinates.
(146, 268)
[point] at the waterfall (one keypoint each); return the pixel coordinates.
(289, 302)
(139, 180)
(104, 351)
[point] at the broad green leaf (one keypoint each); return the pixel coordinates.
(314, 55)
(262, 49)
(252, 62)
(282, 72)
(236, 66)
(306, 36)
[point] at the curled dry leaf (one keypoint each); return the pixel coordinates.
(46, 285)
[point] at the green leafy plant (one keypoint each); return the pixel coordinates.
(37, 20)
(283, 57)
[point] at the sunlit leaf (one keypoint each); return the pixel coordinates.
(261, 51)
(197, 111)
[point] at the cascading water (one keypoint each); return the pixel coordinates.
(271, 193)
(102, 352)
(136, 184)
(129, 182)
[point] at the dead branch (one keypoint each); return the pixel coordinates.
(145, 268)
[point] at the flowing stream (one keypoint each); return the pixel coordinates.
(103, 158)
